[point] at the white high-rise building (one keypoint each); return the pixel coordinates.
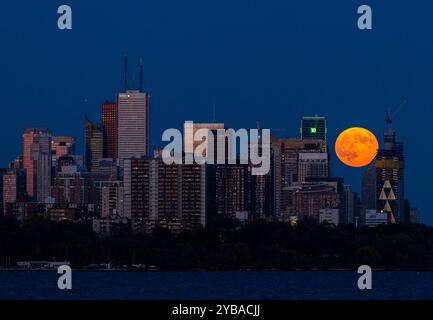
(133, 124)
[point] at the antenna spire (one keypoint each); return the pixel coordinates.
(141, 75)
(213, 111)
(85, 109)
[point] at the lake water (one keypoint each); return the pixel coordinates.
(216, 285)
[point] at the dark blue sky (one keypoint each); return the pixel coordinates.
(270, 61)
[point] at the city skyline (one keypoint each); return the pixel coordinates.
(133, 184)
(179, 153)
(128, 118)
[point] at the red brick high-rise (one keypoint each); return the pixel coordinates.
(109, 122)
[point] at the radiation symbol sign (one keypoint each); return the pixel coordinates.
(387, 194)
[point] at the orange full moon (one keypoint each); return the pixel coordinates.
(356, 147)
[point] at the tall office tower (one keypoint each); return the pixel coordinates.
(37, 163)
(368, 189)
(285, 168)
(262, 186)
(190, 129)
(136, 182)
(390, 176)
(109, 122)
(62, 146)
(261, 196)
(313, 128)
(133, 124)
(232, 189)
(313, 165)
(72, 184)
(166, 186)
(193, 196)
(94, 145)
(13, 187)
(43, 177)
(172, 197)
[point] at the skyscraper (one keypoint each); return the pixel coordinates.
(109, 123)
(136, 181)
(233, 182)
(313, 128)
(94, 145)
(389, 166)
(193, 179)
(262, 195)
(37, 163)
(133, 124)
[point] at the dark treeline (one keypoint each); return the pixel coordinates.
(225, 245)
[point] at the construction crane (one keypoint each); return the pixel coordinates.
(390, 115)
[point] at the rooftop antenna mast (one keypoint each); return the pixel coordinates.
(85, 109)
(213, 111)
(125, 66)
(141, 75)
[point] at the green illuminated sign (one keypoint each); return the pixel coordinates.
(313, 130)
